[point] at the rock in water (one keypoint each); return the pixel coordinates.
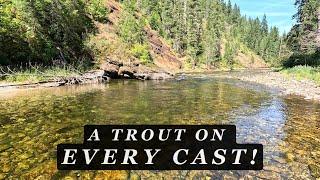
(160, 76)
(110, 70)
(152, 76)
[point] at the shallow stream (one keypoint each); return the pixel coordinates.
(33, 122)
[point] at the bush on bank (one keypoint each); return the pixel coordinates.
(46, 30)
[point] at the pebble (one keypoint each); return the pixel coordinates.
(68, 178)
(315, 170)
(280, 160)
(290, 157)
(5, 168)
(134, 176)
(272, 168)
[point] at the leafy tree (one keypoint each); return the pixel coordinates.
(45, 30)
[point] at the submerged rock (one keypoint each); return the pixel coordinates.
(315, 170)
(134, 176)
(142, 76)
(153, 76)
(111, 175)
(160, 76)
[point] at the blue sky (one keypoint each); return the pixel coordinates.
(279, 12)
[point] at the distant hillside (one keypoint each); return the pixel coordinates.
(176, 35)
(171, 35)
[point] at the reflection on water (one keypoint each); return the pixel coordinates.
(34, 122)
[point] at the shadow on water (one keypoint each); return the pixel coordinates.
(34, 122)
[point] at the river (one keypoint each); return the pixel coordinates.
(34, 121)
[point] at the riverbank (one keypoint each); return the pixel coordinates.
(286, 84)
(56, 77)
(304, 72)
(35, 121)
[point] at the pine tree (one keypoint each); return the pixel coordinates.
(264, 25)
(306, 25)
(194, 31)
(212, 28)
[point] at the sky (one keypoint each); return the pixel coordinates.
(279, 12)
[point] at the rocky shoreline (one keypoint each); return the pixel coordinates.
(106, 72)
(287, 85)
(134, 70)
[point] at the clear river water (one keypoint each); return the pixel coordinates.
(34, 121)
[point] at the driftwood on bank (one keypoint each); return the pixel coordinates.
(96, 76)
(109, 70)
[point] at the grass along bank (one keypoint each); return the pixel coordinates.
(35, 74)
(304, 72)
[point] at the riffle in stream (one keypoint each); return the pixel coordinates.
(33, 122)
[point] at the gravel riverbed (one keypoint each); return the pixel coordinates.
(287, 85)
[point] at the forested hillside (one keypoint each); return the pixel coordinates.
(210, 33)
(304, 37)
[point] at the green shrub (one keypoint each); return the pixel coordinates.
(155, 21)
(97, 10)
(141, 51)
(304, 72)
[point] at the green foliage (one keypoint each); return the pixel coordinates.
(14, 32)
(298, 59)
(304, 72)
(97, 10)
(141, 51)
(194, 31)
(197, 29)
(36, 74)
(130, 29)
(155, 21)
(302, 37)
(45, 30)
(229, 54)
